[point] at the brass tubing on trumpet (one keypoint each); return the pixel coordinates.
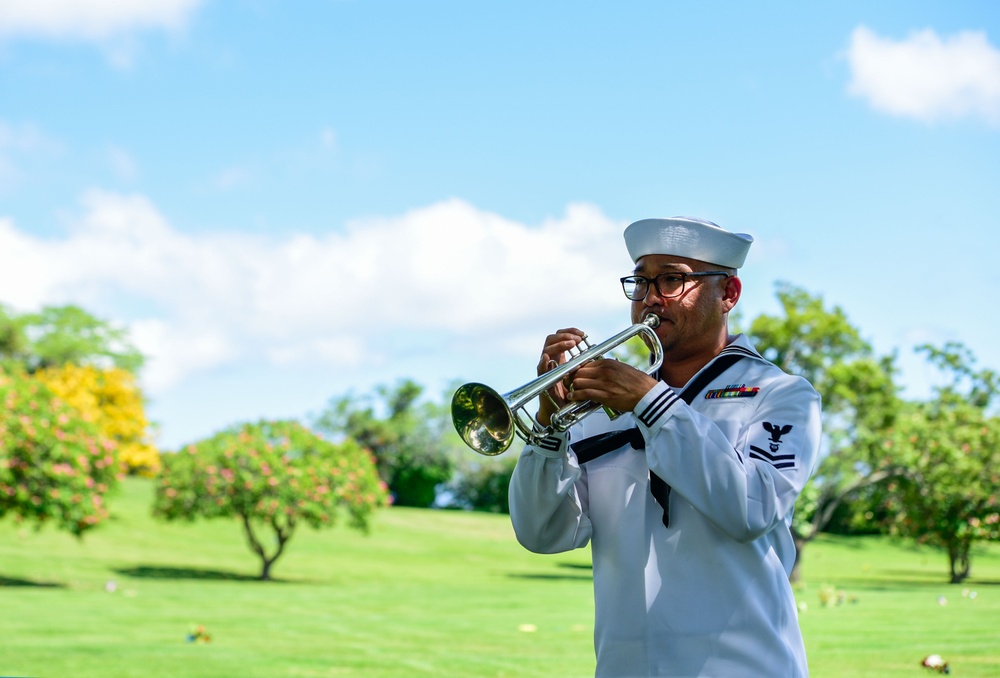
(488, 421)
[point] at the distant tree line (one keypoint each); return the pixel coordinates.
(73, 423)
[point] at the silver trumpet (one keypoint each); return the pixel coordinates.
(488, 421)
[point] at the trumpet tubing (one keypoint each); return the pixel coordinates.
(488, 421)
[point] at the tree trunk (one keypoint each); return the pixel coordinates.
(958, 555)
(282, 535)
(827, 504)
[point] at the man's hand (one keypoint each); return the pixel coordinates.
(555, 353)
(610, 382)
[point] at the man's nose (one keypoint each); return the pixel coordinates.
(653, 296)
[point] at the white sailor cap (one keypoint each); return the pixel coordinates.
(690, 238)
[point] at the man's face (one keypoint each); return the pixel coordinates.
(694, 318)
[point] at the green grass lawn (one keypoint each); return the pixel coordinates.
(427, 593)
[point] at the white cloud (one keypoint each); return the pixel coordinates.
(91, 19)
(925, 76)
(195, 302)
(175, 352)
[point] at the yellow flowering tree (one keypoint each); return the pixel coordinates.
(111, 400)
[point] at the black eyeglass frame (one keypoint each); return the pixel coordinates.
(639, 281)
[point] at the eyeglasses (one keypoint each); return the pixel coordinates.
(668, 285)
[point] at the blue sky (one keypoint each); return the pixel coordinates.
(290, 202)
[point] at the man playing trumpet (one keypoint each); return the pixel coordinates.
(686, 499)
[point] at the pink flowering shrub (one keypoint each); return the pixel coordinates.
(54, 466)
(273, 476)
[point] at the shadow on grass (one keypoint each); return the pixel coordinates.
(168, 572)
(909, 577)
(902, 580)
(11, 581)
(585, 573)
(541, 576)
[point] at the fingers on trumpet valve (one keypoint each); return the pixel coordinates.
(565, 343)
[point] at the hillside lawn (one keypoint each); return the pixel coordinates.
(426, 593)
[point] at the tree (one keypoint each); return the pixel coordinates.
(483, 485)
(54, 466)
(859, 402)
(110, 399)
(408, 439)
(950, 493)
(273, 476)
(13, 342)
(60, 335)
(91, 366)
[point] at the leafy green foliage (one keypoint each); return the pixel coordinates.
(407, 436)
(950, 493)
(273, 476)
(54, 466)
(61, 335)
(13, 342)
(483, 486)
(859, 401)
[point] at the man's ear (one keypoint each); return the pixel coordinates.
(731, 293)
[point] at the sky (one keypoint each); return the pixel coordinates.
(287, 203)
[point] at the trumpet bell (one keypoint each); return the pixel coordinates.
(483, 419)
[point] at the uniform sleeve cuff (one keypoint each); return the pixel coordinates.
(656, 407)
(554, 445)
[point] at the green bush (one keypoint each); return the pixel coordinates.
(483, 485)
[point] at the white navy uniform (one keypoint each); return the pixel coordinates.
(707, 595)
